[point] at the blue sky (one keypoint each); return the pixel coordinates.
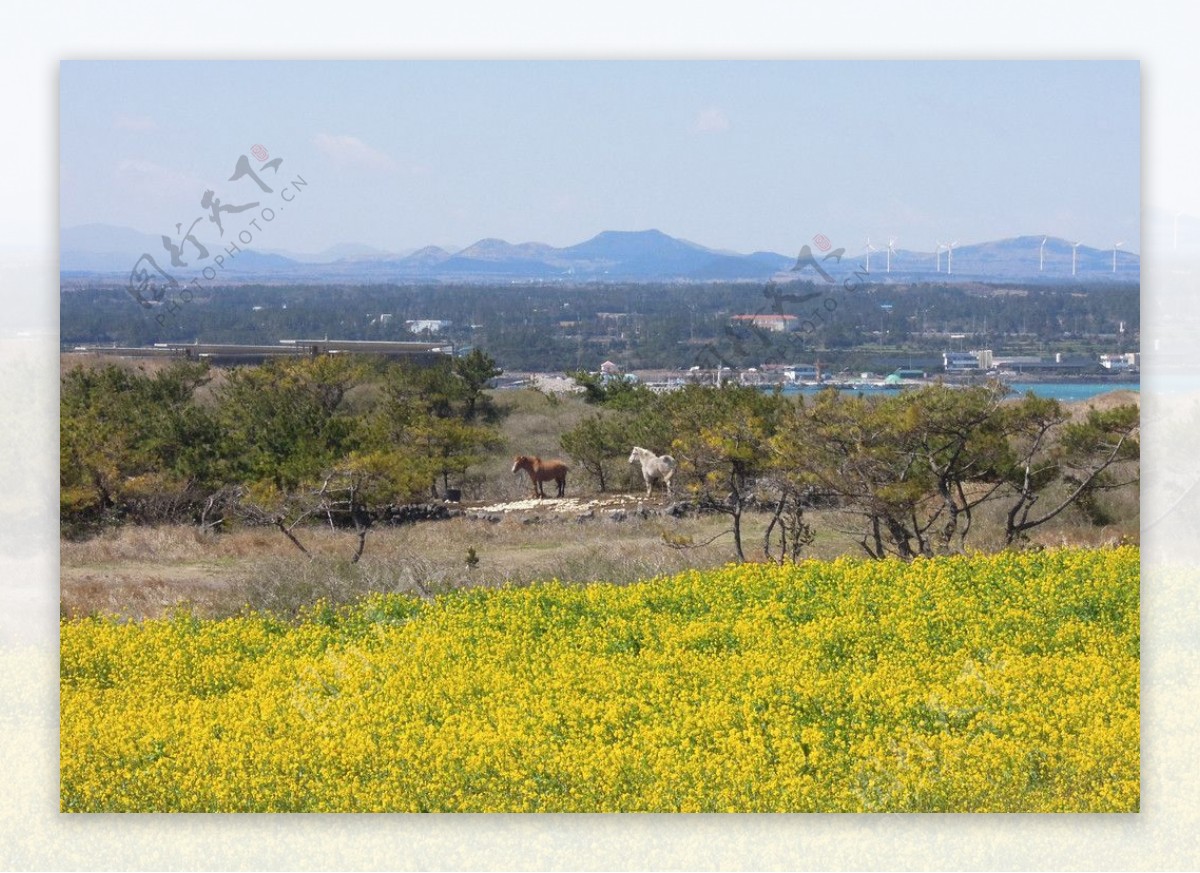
(734, 155)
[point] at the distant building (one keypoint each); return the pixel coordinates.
(777, 323)
(1126, 361)
(801, 373)
(608, 368)
(1033, 364)
(1017, 362)
(964, 362)
(432, 325)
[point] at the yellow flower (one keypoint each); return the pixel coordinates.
(982, 683)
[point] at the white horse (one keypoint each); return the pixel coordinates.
(654, 468)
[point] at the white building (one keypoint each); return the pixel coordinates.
(961, 362)
(421, 325)
(801, 373)
(777, 323)
(1126, 361)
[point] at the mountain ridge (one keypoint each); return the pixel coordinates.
(614, 255)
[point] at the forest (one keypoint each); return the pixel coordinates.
(556, 327)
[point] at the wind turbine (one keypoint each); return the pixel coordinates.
(1115, 247)
(891, 250)
(938, 266)
(1074, 249)
(950, 256)
(870, 248)
(1042, 254)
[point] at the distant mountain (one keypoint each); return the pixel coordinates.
(639, 255)
(104, 238)
(1022, 258)
(102, 248)
(251, 262)
(496, 250)
(500, 258)
(761, 265)
(623, 245)
(430, 256)
(632, 256)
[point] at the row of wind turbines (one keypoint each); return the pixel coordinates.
(949, 247)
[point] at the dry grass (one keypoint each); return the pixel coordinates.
(531, 424)
(142, 572)
(1103, 402)
(145, 572)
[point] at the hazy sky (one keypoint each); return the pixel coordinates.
(734, 155)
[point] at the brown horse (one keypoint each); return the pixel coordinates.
(542, 471)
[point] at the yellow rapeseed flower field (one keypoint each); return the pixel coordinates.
(1004, 682)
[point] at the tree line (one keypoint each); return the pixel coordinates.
(344, 440)
(639, 326)
(910, 471)
(332, 437)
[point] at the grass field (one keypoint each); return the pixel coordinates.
(982, 683)
(580, 662)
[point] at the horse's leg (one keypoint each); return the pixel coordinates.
(562, 485)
